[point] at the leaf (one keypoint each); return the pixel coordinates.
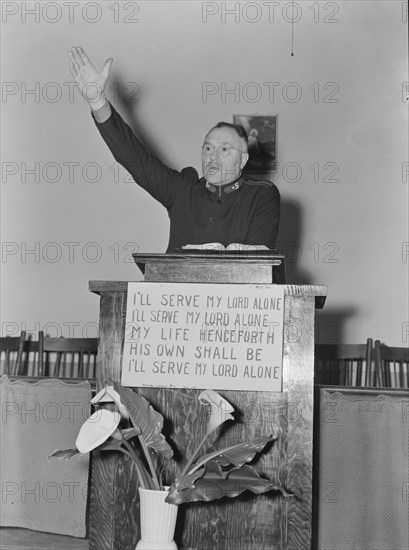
(127, 433)
(211, 486)
(67, 453)
(188, 481)
(236, 454)
(243, 452)
(214, 467)
(110, 445)
(144, 417)
(115, 441)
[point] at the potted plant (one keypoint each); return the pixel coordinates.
(135, 429)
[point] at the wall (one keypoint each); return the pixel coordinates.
(342, 147)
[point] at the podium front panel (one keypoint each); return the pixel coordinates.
(262, 522)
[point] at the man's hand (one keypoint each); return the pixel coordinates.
(91, 83)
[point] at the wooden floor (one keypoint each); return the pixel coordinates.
(12, 538)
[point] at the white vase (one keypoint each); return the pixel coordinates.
(158, 521)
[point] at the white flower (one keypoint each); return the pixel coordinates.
(97, 429)
(109, 395)
(220, 409)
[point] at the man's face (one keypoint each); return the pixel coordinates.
(224, 155)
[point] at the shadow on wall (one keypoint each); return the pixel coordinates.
(289, 236)
(127, 109)
(289, 242)
(329, 322)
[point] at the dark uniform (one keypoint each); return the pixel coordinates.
(246, 211)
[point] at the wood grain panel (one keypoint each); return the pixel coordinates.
(266, 522)
(298, 383)
(203, 273)
(114, 505)
(235, 523)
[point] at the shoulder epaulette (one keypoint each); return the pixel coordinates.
(255, 181)
(191, 173)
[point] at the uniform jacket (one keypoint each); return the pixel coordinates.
(246, 211)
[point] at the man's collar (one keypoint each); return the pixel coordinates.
(226, 188)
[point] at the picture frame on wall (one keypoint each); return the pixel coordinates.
(262, 135)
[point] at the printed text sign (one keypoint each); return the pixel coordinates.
(218, 336)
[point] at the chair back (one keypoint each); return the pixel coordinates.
(392, 366)
(11, 353)
(344, 364)
(68, 357)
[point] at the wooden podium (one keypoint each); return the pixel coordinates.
(262, 522)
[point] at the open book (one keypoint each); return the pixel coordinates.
(220, 247)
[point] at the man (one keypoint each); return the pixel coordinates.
(223, 206)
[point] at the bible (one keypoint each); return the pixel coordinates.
(218, 247)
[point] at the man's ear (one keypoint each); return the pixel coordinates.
(244, 159)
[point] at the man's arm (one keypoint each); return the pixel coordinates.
(147, 170)
(160, 181)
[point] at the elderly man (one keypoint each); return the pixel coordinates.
(223, 206)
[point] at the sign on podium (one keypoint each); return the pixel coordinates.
(208, 336)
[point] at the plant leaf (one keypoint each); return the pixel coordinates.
(115, 441)
(188, 481)
(236, 454)
(110, 445)
(214, 467)
(127, 433)
(211, 486)
(66, 453)
(144, 417)
(244, 452)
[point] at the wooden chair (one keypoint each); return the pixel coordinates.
(11, 353)
(344, 364)
(392, 366)
(67, 357)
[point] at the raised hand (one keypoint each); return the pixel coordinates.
(91, 83)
